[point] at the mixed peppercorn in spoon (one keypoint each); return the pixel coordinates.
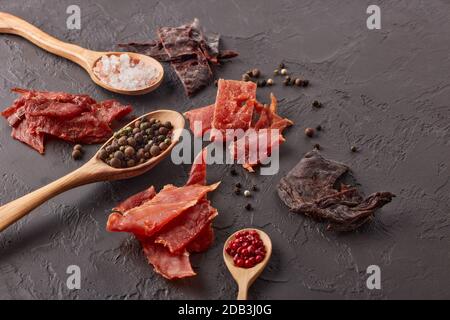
(136, 144)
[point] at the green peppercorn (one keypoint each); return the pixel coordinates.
(167, 141)
(276, 72)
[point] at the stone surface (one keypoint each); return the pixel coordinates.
(386, 91)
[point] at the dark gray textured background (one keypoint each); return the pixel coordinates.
(386, 91)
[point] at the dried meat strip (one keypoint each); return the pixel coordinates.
(311, 188)
(74, 118)
(154, 49)
(170, 265)
(135, 200)
(203, 241)
(194, 73)
(169, 203)
(200, 119)
(233, 108)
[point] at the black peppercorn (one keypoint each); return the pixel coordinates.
(316, 104)
(305, 83)
(319, 127)
(317, 146)
(238, 185)
(248, 206)
(353, 149)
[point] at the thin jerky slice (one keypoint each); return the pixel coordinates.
(136, 200)
(169, 203)
(203, 241)
(171, 266)
(177, 234)
(233, 108)
(203, 117)
(194, 73)
(311, 188)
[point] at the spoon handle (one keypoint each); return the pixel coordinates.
(243, 290)
(16, 209)
(14, 25)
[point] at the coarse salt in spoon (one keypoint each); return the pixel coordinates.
(87, 59)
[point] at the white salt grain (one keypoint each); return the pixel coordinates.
(122, 72)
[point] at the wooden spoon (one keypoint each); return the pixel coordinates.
(245, 277)
(92, 171)
(83, 57)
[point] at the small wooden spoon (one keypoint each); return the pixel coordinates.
(245, 277)
(92, 171)
(83, 57)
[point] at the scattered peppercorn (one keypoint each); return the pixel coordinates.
(245, 77)
(283, 72)
(261, 83)
(237, 191)
(238, 185)
(317, 146)
(255, 187)
(276, 72)
(76, 154)
(255, 73)
(281, 65)
(247, 193)
(316, 104)
(78, 147)
(305, 83)
(287, 81)
(269, 82)
(353, 149)
(309, 132)
(248, 207)
(319, 128)
(298, 82)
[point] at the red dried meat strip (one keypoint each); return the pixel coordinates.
(151, 217)
(171, 266)
(181, 231)
(233, 107)
(75, 118)
(22, 133)
(110, 110)
(203, 240)
(198, 169)
(203, 116)
(136, 200)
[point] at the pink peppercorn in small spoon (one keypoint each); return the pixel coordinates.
(246, 254)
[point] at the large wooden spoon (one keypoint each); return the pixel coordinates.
(92, 171)
(83, 57)
(245, 277)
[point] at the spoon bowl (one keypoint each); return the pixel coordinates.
(246, 276)
(94, 170)
(81, 56)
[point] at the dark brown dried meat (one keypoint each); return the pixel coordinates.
(154, 49)
(178, 41)
(194, 73)
(311, 188)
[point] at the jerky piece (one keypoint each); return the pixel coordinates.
(154, 49)
(311, 188)
(178, 41)
(194, 73)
